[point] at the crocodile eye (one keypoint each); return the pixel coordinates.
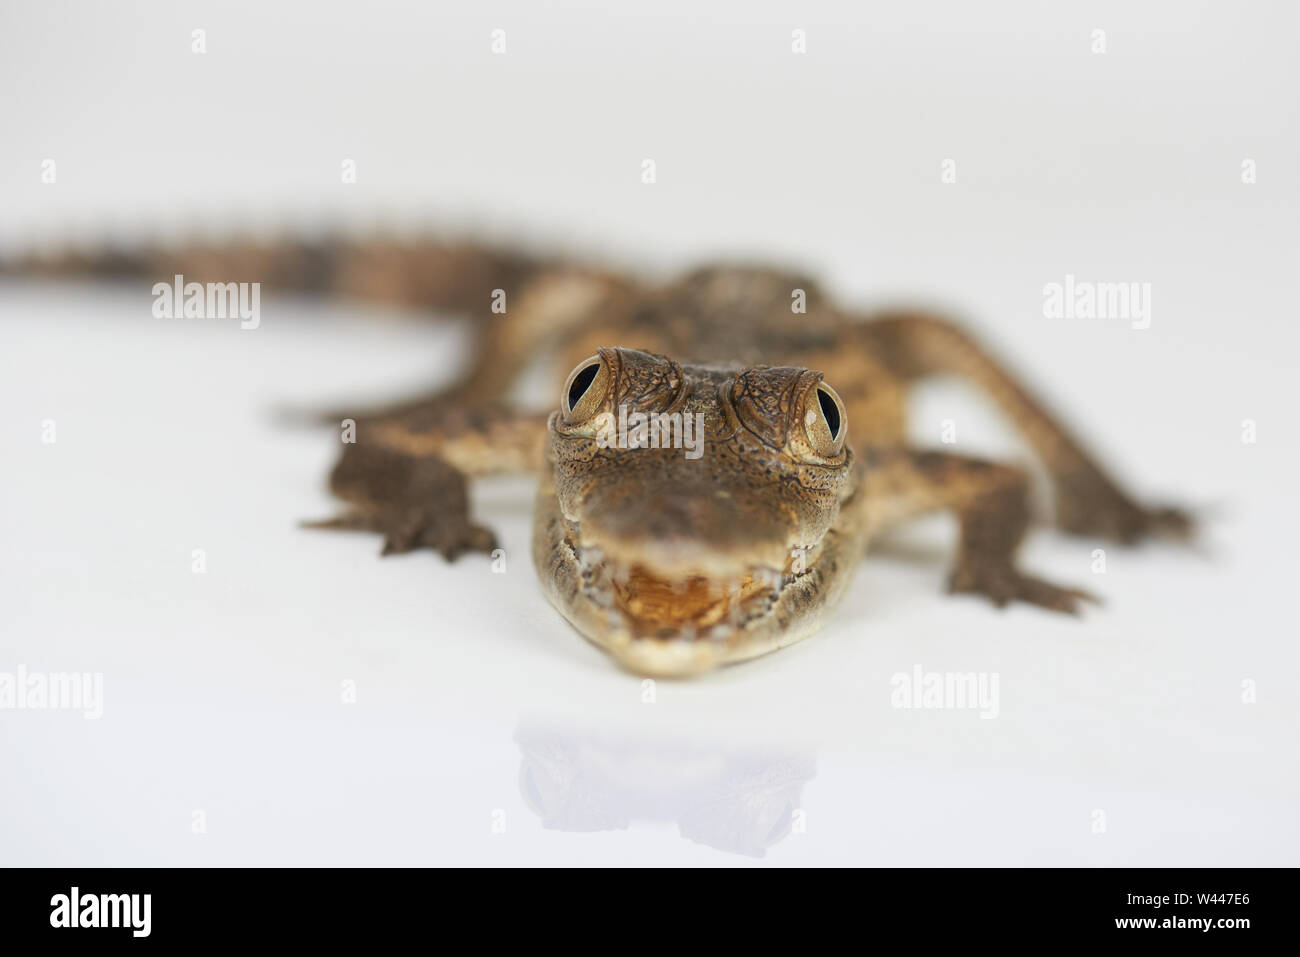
(584, 390)
(824, 421)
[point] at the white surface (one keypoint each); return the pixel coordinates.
(222, 690)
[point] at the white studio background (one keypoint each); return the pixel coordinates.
(478, 712)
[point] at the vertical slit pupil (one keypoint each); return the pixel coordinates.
(581, 383)
(831, 411)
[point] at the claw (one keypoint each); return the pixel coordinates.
(1088, 504)
(407, 531)
(1004, 584)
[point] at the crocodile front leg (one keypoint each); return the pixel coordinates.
(991, 502)
(406, 476)
(1088, 500)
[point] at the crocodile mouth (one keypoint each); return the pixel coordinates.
(645, 603)
(693, 602)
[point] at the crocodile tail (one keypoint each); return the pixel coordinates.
(424, 273)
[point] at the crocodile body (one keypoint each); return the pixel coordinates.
(677, 563)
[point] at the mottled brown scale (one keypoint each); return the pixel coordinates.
(673, 564)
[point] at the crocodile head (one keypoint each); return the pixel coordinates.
(689, 516)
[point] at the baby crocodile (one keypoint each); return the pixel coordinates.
(724, 450)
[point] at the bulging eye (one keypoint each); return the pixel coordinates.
(824, 421)
(585, 389)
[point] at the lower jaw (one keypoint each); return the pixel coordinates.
(682, 657)
(690, 610)
(660, 647)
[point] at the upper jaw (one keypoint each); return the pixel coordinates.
(679, 558)
(687, 526)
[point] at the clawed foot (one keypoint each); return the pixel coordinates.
(1003, 584)
(1088, 504)
(414, 503)
(449, 535)
(408, 529)
(1128, 523)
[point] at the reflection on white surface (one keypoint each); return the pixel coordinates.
(738, 801)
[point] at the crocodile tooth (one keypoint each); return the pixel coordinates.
(733, 592)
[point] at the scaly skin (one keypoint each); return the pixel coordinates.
(676, 565)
